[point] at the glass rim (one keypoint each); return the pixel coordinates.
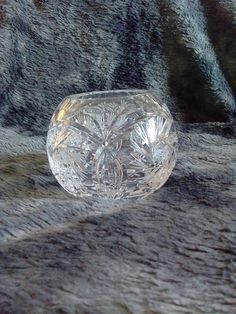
(113, 93)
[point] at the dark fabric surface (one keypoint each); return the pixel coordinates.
(173, 252)
(184, 49)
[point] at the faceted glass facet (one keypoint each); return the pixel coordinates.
(112, 144)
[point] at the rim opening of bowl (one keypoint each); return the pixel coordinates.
(119, 93)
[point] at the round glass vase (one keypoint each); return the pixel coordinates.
(113, 144)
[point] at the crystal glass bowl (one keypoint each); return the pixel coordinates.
(112, 144)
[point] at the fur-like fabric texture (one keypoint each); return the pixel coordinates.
(183, 49)
(173, 252)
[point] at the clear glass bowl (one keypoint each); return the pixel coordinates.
(112, 144)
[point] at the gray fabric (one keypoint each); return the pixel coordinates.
(51, 49)
(173, 252)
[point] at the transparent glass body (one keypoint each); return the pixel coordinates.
(112, 144)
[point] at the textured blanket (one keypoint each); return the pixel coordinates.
(173, 252)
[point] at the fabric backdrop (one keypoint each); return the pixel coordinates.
(173, 252)
(185, 49)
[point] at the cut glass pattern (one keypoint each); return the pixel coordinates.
(112, 144)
